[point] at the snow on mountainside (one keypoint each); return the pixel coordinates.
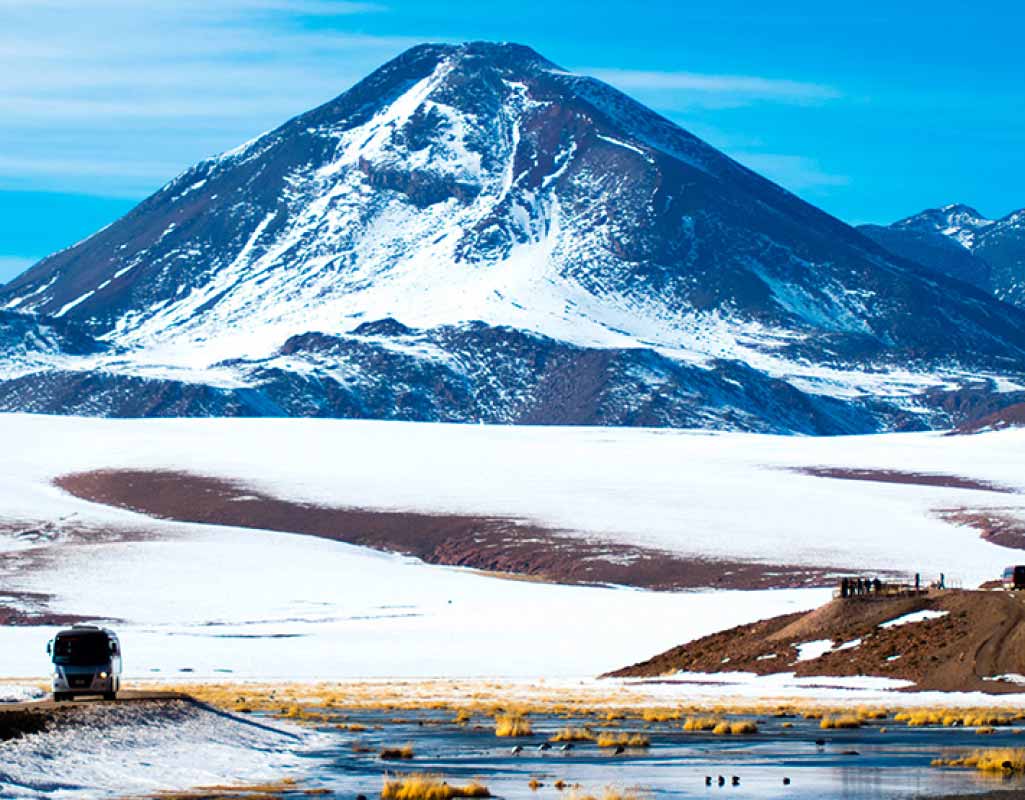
(472, 233)
(959, 241)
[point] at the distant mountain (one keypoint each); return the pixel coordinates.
(472, 233)
(959, 241)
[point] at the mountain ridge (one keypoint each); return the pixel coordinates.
(958, 241)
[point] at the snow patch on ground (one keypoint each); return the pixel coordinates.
(141, 748)
(809, 651)
(910, 619)
(19, 693)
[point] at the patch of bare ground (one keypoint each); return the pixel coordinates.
(492, 544)
(981, 636)
(45, 541)
(906, 478)
(1012, 416)
(32, 608)
(1005, 527)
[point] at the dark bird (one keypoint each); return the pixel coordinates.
(820, 742)
(786, 781)
(708, 780)
(544, 746)
(619, 750)
(517, 750)
(567, 747)
(722, 781)
(734, 780)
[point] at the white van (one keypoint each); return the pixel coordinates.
(86, 660)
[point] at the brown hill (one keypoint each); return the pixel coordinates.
(974, 639)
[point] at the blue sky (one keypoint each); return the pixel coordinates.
(871, 112)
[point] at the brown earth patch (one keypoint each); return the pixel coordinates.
(1012, 416)
(981, 636)
(905, 478)
(488, 543)
(47, 540)
(999, 526)
(31, 608)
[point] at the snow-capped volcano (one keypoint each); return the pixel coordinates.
(474, 233)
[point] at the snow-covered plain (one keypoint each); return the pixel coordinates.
(262, 604)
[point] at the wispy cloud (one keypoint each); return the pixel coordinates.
(796, 173)
(180, 79)
(696, 88)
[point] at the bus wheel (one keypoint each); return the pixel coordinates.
(59, 697)
(110, 695)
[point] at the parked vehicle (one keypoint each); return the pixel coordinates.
(1014, 577)
(86, 660)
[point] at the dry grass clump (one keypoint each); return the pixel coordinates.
(845, 721)
(512, 725)
(787, 725)
(659, 715)
(985, 730)
(864, 713)
(573, 735)
(423, 786)
(463, 717)
(1008, 760)
(951, 718)
(397, 753)
(260, 791)
(623, 740)
(700, 723)
(609, 793)
(738, 728)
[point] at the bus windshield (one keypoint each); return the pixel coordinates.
(81, 649)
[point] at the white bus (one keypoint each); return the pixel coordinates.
(86, 660)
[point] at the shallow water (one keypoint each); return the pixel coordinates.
(858, 764)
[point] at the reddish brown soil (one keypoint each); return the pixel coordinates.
(1003, 527)
(32, 610)
(493, 544)
(983, 635)
(907, 478)
(1010, 417)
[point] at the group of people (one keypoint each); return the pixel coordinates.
(860, 587)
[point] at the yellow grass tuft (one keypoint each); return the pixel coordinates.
(512, 725)
(397, 753)
(609, 793)
(700, 723)
(845, 721)
(423, 786)
(1008, 760)
(573, 735)
(659, 715)
(623, 739)
(738, 728)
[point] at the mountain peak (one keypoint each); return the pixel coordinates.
(471, 232)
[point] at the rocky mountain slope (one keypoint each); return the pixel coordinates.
(959, 241)
(474, 234)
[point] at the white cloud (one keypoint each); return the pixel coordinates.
(91, 92)
(796, 173)
(698, 88)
